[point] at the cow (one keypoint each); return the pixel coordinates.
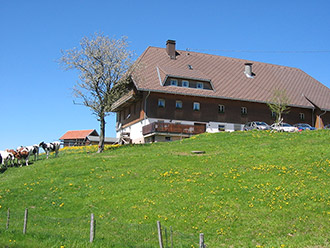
(14, 153)
(33, 150)
(6, 157)
(50, 147)
(23, 154)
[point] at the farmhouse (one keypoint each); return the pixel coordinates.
(175, 94)
(84, 137)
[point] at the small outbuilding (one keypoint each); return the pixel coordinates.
(84, 138)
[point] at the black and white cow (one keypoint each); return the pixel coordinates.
(6, 157)
(15, 154)
(33, 150)
(50, 147)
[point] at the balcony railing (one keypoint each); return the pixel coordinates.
(161, 127)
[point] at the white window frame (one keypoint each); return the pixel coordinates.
(221, 108)
(174, 82)
(185, 81)
(199, 85)
(244, 110)
(180, 104)
(161, 103)
(301, 116)
(196, 106)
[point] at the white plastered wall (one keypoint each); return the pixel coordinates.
(136, 135)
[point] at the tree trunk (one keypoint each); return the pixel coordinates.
(102, 134)
(279, 118)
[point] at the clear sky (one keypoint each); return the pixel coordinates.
(35, 94)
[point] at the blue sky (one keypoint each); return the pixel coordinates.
(35, 94)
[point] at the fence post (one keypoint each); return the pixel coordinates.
(91, 233)
(8, 217)
(201, 240)
(171, 236)
(165, 229)
(25, 220)
(160, 238)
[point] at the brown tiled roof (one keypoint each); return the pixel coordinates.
(77, 134)
(184, 73)
(228, 78)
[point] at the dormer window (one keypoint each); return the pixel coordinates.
(185, 83)
(199, 85)
(174, 82)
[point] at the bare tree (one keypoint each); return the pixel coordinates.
(104, 66)
(279, 104)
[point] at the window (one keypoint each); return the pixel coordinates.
(244, 110)
(301, 116)
(221, 128)
(199, 85)
(221, 108)
(273, 114)
(196, 106)
(161, 103)
(168, 138)
(185, 83)
(174, 82)
(178, 104)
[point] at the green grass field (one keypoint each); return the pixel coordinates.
(249, 189)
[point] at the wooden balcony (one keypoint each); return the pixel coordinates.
(172, 128)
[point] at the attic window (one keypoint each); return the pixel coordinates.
(199, 85)
(185, 83)
(174, 82)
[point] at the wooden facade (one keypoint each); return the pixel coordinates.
(209, 111)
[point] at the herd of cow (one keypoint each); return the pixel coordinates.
(11, 157)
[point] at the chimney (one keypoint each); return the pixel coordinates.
(248, 70)
(170, 48)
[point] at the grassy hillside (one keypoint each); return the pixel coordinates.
(249, 189)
